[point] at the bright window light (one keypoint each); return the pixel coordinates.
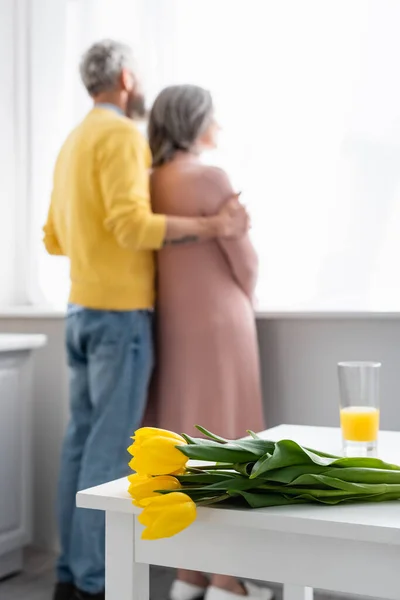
(308, 94)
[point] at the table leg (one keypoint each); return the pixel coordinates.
(125, 579)
(297, 592)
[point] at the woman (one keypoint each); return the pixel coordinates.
(207, 369)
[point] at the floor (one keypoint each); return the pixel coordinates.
(36, 582)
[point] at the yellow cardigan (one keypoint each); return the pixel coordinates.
(100, 215)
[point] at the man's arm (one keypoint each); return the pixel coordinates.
(50, 238)
(231, 222)
(125, 187)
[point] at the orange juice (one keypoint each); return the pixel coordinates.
(359, 423)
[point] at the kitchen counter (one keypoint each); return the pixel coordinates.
(15, 342)
(16, 424)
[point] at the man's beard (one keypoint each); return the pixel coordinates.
(136, 107)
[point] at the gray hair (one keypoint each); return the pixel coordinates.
(180, 114)
(102, 64)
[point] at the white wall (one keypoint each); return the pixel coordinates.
(298, 359)
(7, 148)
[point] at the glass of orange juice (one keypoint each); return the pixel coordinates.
(359, 407)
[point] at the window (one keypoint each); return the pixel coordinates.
(308, 94)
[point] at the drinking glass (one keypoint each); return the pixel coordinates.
(359, 407)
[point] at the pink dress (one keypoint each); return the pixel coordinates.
(207, 365)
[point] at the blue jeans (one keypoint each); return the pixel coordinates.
(110, 358)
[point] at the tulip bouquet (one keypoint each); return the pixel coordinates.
(174, 474)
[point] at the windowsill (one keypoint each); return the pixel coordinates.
(49, 312)
(322, 314)
(31, 312)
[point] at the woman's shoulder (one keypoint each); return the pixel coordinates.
(203, 181)
(213, 187)
(215, 178)
(195, 173)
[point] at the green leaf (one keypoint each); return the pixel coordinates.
(193, 441)
(212, 436)
(233, 483)
(286, 454)
(353, 474)
(349, 499)
(256, 500)
(253, 435)
(366, 463)
(196, 494)
(214, 452)
(236, 483)
(257, 447)
(313, 492)
(263, 473)
(260, 500)
(381, 498)
(365, 475)
(348, 486)
(289, 474)
(244, 468)
(321, 454)
(203, 478)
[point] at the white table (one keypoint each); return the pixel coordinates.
(350, 549)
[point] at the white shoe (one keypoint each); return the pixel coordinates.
(181, 590)
(254, 592)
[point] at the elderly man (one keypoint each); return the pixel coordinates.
(100, 217)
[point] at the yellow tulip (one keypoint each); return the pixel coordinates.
(143, 487)
(147, 432)
(179, 472)
(155, 452)
(167, 515)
